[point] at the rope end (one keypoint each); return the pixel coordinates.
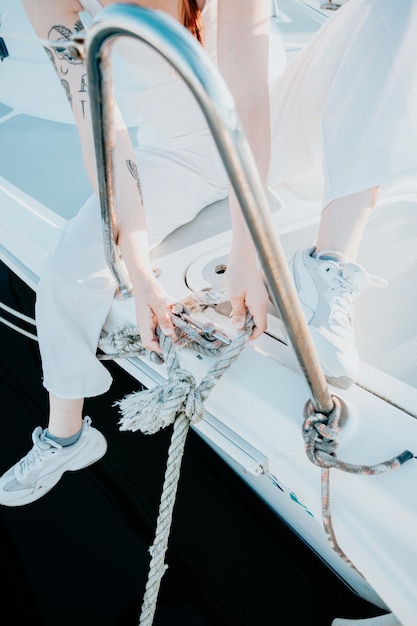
(140, 411)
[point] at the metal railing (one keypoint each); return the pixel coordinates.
(192, 63)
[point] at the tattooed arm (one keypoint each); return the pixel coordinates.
(57, 20)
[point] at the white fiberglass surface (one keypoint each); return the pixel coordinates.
(43, 159)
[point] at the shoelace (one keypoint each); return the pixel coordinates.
(345, 291)
(347, 280)
(35, 456)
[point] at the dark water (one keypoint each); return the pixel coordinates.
(79, 556)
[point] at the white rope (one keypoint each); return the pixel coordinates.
(320, 433)
(20, 330)
(21, 316)
(157, 566)
(180, 401)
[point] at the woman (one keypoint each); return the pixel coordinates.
(176, 152)
(366, 49)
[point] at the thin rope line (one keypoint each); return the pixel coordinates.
(20, 330)
(21, 316)
(178, 401)
(320, 433)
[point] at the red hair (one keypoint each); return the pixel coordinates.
(190, 17)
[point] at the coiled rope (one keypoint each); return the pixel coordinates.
(179, 401)
(320, 433)
(126, 342)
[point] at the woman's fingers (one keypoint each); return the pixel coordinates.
(147, 325)
(247, 292)
(151, 312)
(151, 316)
(259, 321)
(238, 312)
(258, 312)
(164, 321)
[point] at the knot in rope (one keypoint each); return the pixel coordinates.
(188, 396)
(320, 432)
(153, 409)
(181, 401)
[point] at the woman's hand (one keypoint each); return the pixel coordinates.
(247, 292)
(243, 42)
(151, 311)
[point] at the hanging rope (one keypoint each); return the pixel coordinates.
(320, 434)
(179, 400)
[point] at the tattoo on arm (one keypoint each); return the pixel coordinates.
(67, 90)
(84, 85)
(131, 166)
(83, 89)
(61, 58)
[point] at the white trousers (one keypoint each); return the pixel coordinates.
(348, 101)
(76, 288)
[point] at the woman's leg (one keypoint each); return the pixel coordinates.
(70, 443)
(328, 280)
(74, 296)
(343, 222)
(65, 416)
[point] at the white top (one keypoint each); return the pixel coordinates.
(153, 97)
(156, 99)
(348, 100)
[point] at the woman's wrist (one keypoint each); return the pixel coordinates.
(243, 252)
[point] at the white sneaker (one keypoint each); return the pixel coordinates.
(327, 290)
(42, 467)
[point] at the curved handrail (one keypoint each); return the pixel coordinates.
(192, 63)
